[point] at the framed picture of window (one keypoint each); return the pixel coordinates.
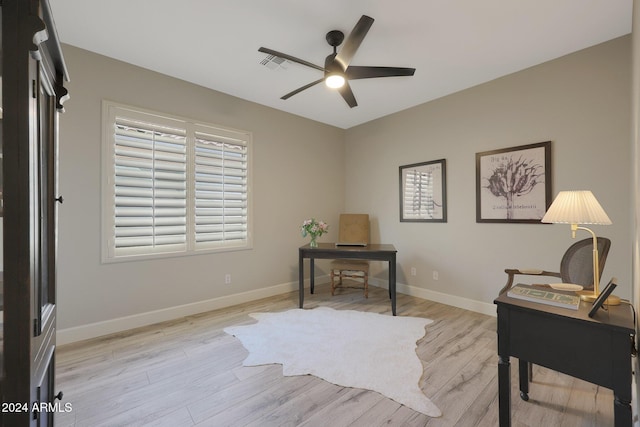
(423, 195)
(513, 184)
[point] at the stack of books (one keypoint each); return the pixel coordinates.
(545, 296)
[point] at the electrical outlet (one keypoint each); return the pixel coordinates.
(435, 275)
(413, 271)
(227, 279)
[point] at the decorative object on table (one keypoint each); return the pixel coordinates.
(423, 192)
(513, 184)
(345, 347)
(572, 287)
(312, 227)
(603, 297)
(581, 207)
(544, 296)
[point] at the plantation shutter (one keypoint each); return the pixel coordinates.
(150, 181)
(418, 195)
(172, 186)
(220, 189)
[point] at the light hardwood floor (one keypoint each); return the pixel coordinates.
(188, 372)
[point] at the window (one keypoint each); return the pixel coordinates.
(172, 186)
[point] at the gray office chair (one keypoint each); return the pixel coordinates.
(576, 265)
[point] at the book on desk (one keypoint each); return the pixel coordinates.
(544, 296)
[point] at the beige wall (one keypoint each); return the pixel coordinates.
(297, 173)
(303, 168)
(579, 102)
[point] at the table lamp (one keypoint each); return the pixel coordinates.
(581, 207)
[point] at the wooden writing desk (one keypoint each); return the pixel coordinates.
(597, 350)
(373, 252)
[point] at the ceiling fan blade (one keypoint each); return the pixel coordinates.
(355, 72)
(348, 95)
(300, 89)
(353, 41)
(290, 58)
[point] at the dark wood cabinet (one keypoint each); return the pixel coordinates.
(33, 76)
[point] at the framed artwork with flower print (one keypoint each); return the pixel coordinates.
(513, 184)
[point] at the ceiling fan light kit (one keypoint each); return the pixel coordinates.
(334, 81)
(337, 69)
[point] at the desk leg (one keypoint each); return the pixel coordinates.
(301, 279)
(622, 382)
(392, 283)
(523, 371)
(312, 272)
(504, 391)
(621, 412)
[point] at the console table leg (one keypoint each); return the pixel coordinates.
(312, 274)
(504, 391)
(392, 283)
(301, 279)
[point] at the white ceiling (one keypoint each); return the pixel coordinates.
(453, 44)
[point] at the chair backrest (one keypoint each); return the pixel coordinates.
(577, 263)
(354, 228)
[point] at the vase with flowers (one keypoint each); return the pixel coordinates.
(312, 227)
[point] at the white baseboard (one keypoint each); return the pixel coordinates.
(448, 299)
(93, 330)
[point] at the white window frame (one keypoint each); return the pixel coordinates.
(197, 237)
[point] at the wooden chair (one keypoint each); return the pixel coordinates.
(576, 265)
(354, 228)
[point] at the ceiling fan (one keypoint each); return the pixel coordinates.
(337, 69)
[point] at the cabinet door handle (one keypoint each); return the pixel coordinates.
(60, 199)
(58, 396)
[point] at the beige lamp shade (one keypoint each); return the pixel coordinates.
(576, 207)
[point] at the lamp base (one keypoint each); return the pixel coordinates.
(590, 297)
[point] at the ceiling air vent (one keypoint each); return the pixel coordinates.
(275, 62)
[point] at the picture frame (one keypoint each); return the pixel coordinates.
(513, 185)
(597, 304)
(423, 192)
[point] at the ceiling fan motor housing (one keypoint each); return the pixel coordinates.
(335, 38)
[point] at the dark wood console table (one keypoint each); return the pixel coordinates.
(597, 350)
(373, 252)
